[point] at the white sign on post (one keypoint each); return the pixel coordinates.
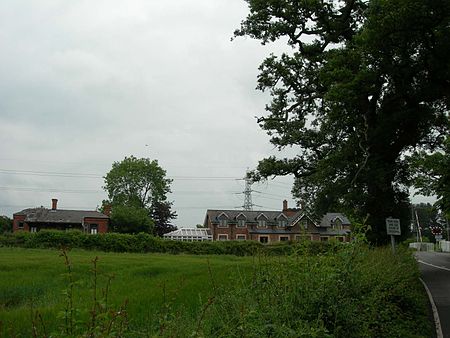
(393, 226)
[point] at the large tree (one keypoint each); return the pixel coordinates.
(137, 187)
(362, 83)
(162, 215)
(6, 224)
(431, 174)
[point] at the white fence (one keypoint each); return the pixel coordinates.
(420, 246)
(445, 246)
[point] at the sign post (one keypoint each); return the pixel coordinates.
(393, 229)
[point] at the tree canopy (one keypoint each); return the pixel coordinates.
(137, 191)
(137, 182)
(6, 224)
(128, 219)
(431, 174)
(363, 84)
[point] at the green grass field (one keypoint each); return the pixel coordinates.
(147, 281)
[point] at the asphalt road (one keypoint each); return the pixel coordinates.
(435, 268)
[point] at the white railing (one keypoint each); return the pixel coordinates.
(445, 246)
(420, 246)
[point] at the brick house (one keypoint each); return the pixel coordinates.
(36, 219)
(273, 226)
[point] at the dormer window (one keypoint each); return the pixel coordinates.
(262, 221)
(241, 219)
(303, 223)
(223, 220)
(337, 224)
(282, 223)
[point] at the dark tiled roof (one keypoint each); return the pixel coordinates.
(324, 225)
(330, 217)
(251, 216)
(44, 215)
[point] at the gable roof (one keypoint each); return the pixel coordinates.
(44, 215)
(329, 218)
(252, 216)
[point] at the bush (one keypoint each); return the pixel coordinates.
(349, 291)
(143, 242)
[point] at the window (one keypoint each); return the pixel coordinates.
(241, 237)
(264, 239)
(324, 239)
(20, 225)
(262, 223)
(304, 223)
(223, 223)
(222, 237)
(241, 223)
(339, 238)
(284, 238)
(282, 223)
(93, 229)
(337, 224)
(33, 229)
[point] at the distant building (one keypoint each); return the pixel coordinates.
(189, 234)
(274, 226)
(36, 219)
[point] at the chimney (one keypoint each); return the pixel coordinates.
(54, 203)
(285, 205)
(107, 209)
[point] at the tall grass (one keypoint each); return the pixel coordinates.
(348, 291)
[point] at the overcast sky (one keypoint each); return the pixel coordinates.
(86, 83)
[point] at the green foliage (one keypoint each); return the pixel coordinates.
(162, 215)
(354, 292)
(136, 182)
(365, 82)
(137, 189)
(5, 224)
(128, 219)
(345, 291)
(431, 174)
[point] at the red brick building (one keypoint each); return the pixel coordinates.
(36, 219)
(273, 226)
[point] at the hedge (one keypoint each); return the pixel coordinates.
(143, 243)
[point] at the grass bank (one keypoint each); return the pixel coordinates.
(351, 291)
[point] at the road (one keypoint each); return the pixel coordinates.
(435, 268)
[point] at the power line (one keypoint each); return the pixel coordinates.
(29, 189)
(91, 175)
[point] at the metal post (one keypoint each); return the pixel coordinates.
(393, 244)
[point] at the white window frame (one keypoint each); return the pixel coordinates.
(324, 238)
(241, 223)
(262, 223)
(243, 237)
(222, 237)
(94, 230)
(341, 237)
(283, 236)
(20, 225)
(223, 223)
(33, 229)
(282, 223)
(304, 223)
(339, 225)
(260, 236)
